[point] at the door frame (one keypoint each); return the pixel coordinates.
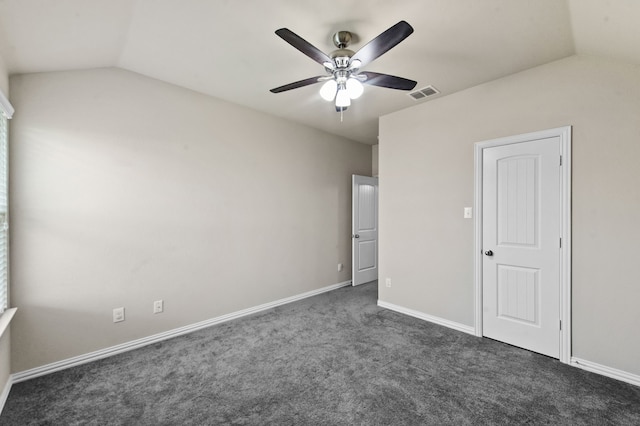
(564, 133)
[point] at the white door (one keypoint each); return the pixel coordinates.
(521, 220)
(364, 230)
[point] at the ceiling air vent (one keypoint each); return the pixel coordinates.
(425, 92)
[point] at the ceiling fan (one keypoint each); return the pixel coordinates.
(343, 79)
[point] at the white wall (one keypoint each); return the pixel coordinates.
(5, 360)
(426, 158)
(126, 190)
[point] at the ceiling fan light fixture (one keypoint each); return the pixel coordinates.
(328, 90)
(342, 98)
(354, 88)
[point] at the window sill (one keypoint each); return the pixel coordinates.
(5, 319)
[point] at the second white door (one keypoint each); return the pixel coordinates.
(364, 229)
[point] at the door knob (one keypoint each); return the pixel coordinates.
(488, 253)
(356, 236)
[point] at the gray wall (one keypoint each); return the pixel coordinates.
(374, 160)
(4, 78)
(426, 161)
(126, 190)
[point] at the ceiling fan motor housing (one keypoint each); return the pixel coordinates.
(341, 57)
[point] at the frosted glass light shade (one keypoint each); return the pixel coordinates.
(328, 90)
(354, 88)
(342, 98)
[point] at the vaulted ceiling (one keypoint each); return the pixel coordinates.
(228, 49)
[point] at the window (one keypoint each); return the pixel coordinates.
(3, 214)
(6, 112)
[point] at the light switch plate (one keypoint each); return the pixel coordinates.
(118, 314)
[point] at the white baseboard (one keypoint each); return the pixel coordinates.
(436, 320)
(145, 341)
(603, 370)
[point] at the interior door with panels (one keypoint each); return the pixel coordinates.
(364, 229)
(521, 223)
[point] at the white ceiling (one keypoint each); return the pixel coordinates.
(228, 49)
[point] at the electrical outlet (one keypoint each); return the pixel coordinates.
(340, 267)
(158, 306)
(388, 282)
(118, 314)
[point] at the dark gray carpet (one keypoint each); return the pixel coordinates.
(334, 359)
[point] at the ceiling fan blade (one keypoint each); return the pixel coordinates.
(388, 81)
(383, 43)
(297, 84)
(303, 45)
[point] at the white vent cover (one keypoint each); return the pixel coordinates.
(425, 92)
